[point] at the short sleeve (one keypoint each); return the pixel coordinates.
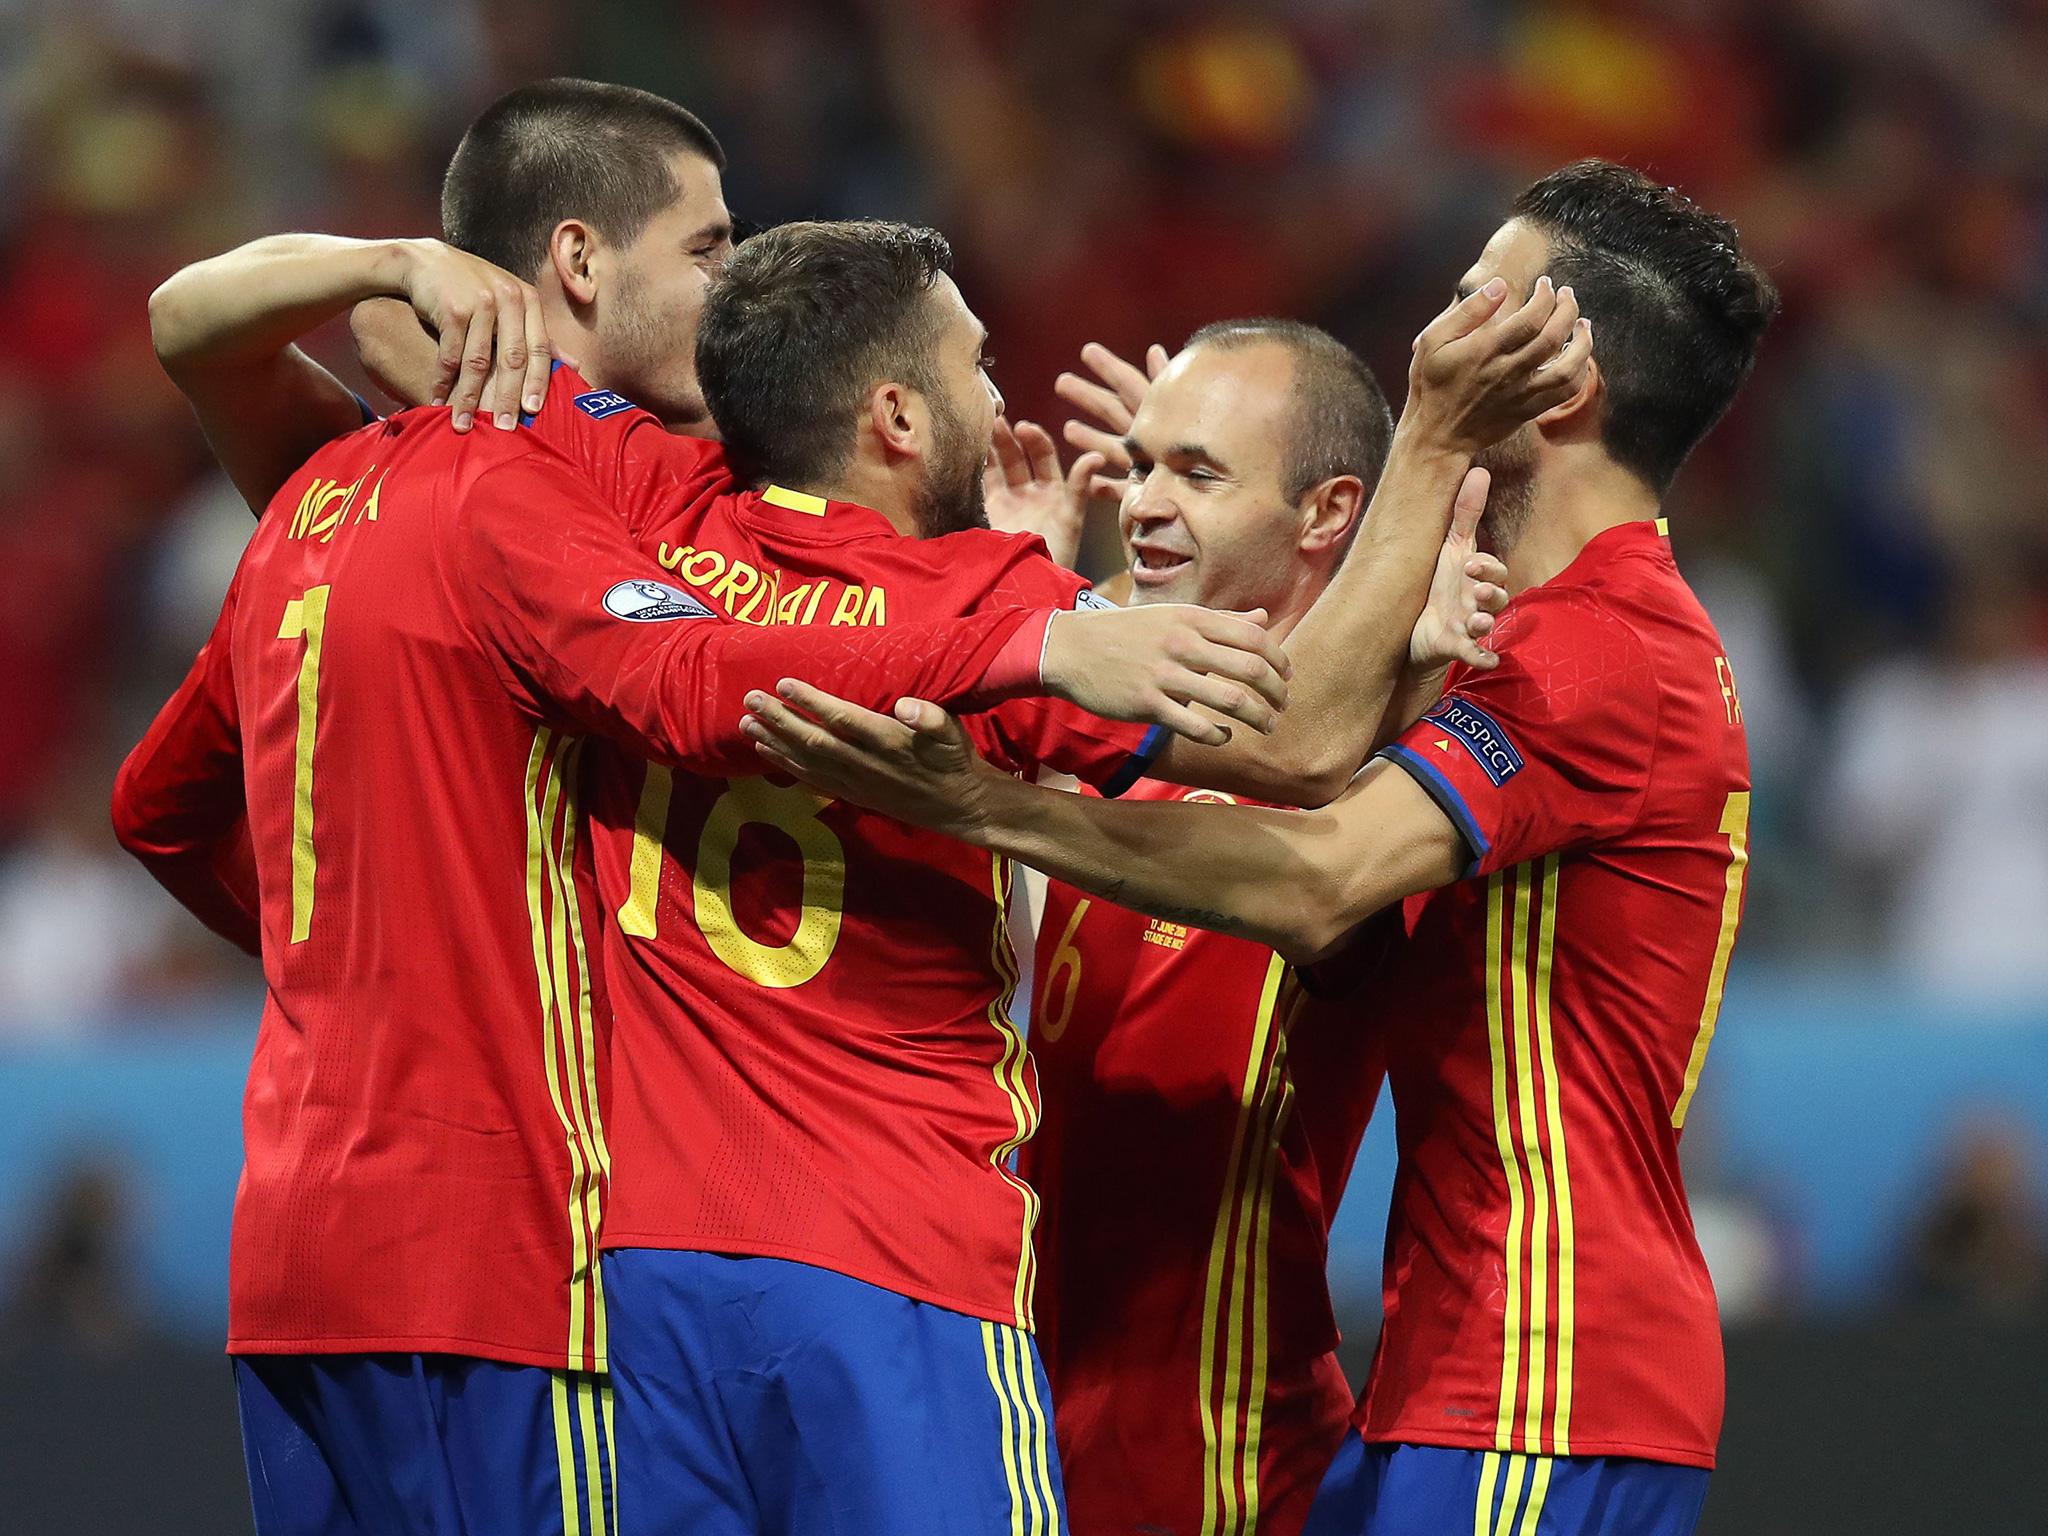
(1552, 749)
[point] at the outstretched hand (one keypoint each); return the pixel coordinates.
(1024, 491)
(917, 766)
(1465, 592)
(1108, 404)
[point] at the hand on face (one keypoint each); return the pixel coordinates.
(1481, 369)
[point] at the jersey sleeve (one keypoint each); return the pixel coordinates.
(1028, 733)
(1550, 751)
(587, 631)
(637, 465)
(179, 801)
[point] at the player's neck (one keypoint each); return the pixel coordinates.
(1283, 613)
(1576, 500)
(863, 484)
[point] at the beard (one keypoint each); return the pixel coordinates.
(1512, 497)
(649, 355)
(949, 497)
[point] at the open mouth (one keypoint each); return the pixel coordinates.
(1152, 566)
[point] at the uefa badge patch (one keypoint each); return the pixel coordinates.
(1089, 598)
(600, 403)
(1481, 735)
(644, 602)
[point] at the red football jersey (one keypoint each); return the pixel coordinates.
(418, 628)
(1201, 1117)
(1545, 1021)
(817, 1059)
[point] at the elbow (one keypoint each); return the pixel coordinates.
(1315, 921)
(133, 829)
(1312, 776)
(172, 332)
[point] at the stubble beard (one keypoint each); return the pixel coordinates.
(649, 357)
(1511, 498)
(949, 496)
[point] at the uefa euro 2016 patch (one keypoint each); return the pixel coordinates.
(646, 601)
(1480, 734)
(601, 403)
(1088, 597)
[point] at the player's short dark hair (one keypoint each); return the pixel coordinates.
(805, 320)
(1677, 309)
(1341, 425)
(565, 149)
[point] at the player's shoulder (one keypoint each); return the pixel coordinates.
(582, 418)
(1017, 565)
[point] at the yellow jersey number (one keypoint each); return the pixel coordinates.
(1734, 827)
(791, 810)
(1052, 1023)
(305, 618)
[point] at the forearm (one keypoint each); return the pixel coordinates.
(1260, 874)
(681, 701)
(185, 825)
(1350, 651)
(252, 303)
(1414, 696)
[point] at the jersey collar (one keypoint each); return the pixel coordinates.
(801, 511)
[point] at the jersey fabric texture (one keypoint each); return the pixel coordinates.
(758, 1397)
(1426, 1490)
(419, 635)
(363, 1445)
(817, 1058)
(1201, 1118)
(1545, 1023)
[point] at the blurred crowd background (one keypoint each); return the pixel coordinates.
(1869, 527)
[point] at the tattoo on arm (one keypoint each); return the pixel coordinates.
(1112, 890)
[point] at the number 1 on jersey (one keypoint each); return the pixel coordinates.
(305, 618)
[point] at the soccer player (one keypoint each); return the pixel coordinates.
(370, 775)
(606, 203)
(819, 1252)
(1558, 852)
(1198, 1124)
(728, 929)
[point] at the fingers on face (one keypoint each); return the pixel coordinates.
(1463, 316)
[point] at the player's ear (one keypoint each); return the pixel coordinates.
(1329, 511)
(1581, 413)
(896, 415)
(572, 253)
